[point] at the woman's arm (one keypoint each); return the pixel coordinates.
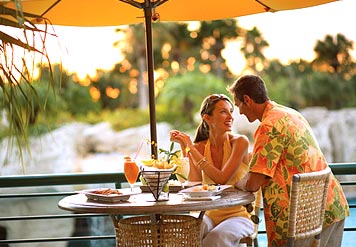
(239, 154)
(198, 162)
(184, 140)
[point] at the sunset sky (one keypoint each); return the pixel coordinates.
(290, 34)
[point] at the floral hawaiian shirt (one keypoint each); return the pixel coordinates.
(285, 145)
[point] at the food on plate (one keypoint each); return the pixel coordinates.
(204, 187)
(106, 192)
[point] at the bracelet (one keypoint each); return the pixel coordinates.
(200, 162)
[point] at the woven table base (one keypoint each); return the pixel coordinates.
(168, 231)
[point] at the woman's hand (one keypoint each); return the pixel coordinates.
(180, 137)
(173, 134)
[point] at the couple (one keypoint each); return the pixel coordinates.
(220, 157)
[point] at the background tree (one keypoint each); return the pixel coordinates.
(322, 90)
(252, 48)
(134, 63)
(178, 47)
(213, 36)
(182, 95)
(333, 55)
(116, 88)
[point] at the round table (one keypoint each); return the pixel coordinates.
(142, 204)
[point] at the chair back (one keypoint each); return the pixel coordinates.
(307, 205)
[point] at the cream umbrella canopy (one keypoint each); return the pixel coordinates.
(95, 13)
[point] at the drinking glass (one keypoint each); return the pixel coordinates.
(131, 171)
(183, 169)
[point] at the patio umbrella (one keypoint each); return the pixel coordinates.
(94, 13)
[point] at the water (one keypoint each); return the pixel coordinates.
(348, 238)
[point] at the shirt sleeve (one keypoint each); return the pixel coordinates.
(267, 150)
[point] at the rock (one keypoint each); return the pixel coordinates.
(342, 130)
(99, 138)
(128, 141)
(55, 152)
(315, 115)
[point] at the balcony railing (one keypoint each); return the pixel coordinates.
(115, 179)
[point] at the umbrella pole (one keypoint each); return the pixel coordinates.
(151, 86)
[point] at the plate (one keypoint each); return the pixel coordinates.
(108, 195)
(201, 198)
(173, 187)
(204, 190)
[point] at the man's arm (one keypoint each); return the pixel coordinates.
(252, 182)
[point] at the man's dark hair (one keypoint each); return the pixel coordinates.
(252, 86)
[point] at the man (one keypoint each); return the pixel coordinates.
(284, 145)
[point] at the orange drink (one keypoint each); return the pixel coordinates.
(131, 171)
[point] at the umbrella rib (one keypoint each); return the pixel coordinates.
(51, 7)
(133, 3)
(159, 2)
(141, 5)
(267, 8)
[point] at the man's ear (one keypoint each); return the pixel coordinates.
(247, 99)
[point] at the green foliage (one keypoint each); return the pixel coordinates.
(252, 48)
(168, 155)
(115, 80)
(322, 89)
(334, 52)
(299, 84)
(285, 90)
(278, 90)
(121, 119)
(16, 78)
(79, 100)
(181, 96)
(349, 93)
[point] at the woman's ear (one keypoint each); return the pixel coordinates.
(206, 117)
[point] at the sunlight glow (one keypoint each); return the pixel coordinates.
(112, 92)
(85, 50)
(95, 93)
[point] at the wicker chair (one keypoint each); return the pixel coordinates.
(252, 240)
(307, 206)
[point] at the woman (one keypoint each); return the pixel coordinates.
(218, 157)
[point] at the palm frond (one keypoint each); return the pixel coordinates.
(17, 94)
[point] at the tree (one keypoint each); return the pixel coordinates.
(252, 48)
(321, 89)
(213, 35)
(182, 95)
(134, 50)
(333, 55)
(177, 50)
(116, 88)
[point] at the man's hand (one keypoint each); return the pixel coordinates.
(252, 182)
